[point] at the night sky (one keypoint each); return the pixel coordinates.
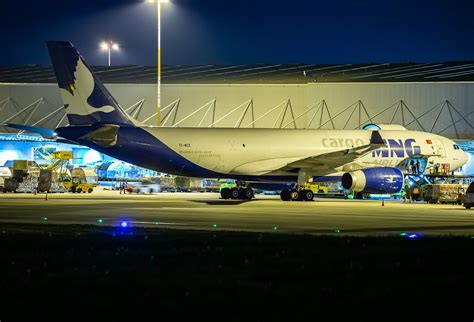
(242, 31)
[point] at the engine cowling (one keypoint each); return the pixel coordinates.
(374, 180)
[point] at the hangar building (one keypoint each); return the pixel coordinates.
(434, 97)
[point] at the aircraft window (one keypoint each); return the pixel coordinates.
(456, 147)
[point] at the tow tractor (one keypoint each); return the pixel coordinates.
(82, 180)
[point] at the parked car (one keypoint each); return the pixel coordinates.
(469, 197)
(168, 189)
(146, 188)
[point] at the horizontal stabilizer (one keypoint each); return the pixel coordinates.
(46, 133)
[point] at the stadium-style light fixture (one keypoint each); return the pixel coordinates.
(109, 46)
(158, 98)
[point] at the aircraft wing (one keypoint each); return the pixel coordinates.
(338, 158)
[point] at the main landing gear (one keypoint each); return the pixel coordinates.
(237, 193)
(296, 195)
(299, 193)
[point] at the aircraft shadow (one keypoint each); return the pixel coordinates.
(222, 202)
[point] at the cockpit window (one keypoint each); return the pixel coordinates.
(456, 147)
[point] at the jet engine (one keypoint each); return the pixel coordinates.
(374, 180)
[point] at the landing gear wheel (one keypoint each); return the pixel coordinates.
(234, 193)
(307, 195)
(225, 193)
(79, 190)
(359, 196)
(247, 193)
(89, 190)
(295, 195)
(285, 195)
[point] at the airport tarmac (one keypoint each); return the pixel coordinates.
(264, 214)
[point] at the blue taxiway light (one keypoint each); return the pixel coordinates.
(411, 235)
(124, 224)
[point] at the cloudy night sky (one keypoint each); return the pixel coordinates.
(243, 31)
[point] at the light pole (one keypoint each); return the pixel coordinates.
(158, 95)
(109, 46)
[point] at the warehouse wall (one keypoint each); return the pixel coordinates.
(420, 98)
(192, 97)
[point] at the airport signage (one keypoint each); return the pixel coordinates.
(65, 155)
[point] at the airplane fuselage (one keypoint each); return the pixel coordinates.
(262, 154)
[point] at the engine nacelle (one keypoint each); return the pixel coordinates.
(374, 180)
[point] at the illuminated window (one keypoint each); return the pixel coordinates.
(91, 157)
(8, 155)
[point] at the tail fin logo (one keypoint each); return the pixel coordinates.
(83, 97)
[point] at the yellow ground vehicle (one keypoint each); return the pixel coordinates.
(82, 180)
(315, 188)
(229, 184)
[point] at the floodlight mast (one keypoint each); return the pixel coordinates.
(109, 46)
(158, 97)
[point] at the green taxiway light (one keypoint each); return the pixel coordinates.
(45, 218)
(100, 220)
(337, 231)
(403, 234)
(215, 225)
(275, 228)
(157, 222)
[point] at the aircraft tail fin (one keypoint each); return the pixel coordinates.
(85, 98)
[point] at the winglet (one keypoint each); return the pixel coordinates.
(376, 138)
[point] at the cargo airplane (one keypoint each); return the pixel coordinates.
(371, 160)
